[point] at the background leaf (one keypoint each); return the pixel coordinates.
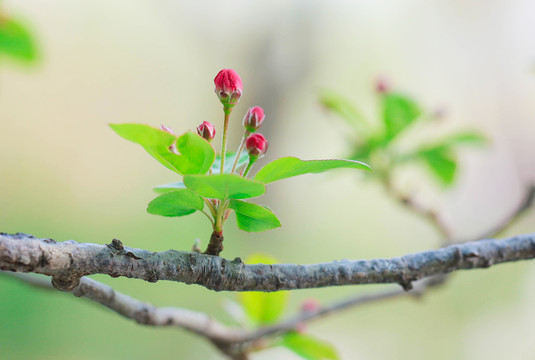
(291, 166)
(309, 347)
(343, 107)
(176, 203)
(441, 163)
(16, 41)
(229, 162)
(254, 218)
(225, 186)
(162, 189)
(399, 111)
(262, 307)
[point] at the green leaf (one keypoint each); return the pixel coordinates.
(162, 189)
(399, 111)
(341, 106)
(309, 347)
(176, 203)
(225, 186)
(262, 307)
(16, 41)
(196, 154)
(291, 166)
(441, 163)
(254, 218)
(229, 162)
(465, 138)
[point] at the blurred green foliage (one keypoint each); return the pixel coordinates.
(16, 41)
(377, 142)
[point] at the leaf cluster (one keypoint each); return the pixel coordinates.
(378, 143)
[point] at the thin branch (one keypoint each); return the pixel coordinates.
(144, 313)
(293, 322)
(68, 261)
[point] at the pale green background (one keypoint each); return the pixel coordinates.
(65, 175)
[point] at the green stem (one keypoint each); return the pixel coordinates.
(224, 144)
(242, 145)
(208, 216)
(249, 165)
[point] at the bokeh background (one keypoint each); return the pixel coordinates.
(65, 175)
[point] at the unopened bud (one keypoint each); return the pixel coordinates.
(206, 130)
(256, 145)
(253, 119)
(382, 85)
(167, 129)
(172, 148)
(228, 87)
(310, 305)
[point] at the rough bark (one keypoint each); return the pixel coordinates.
(68, 261)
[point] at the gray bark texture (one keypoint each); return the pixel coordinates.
(67, 262)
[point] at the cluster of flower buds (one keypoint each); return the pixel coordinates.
(228, 87)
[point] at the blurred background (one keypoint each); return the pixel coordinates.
(65, 175)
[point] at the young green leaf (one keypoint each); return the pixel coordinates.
(229, 162)
(309, 347)
(441, 163)
(16, 41)
(465, 138)
(176, 203)
(162, 189)
(224, 186)
(399, 111)
(262, 307)
(343, 107)
(254, 218)
(196, 154)
(291, 166)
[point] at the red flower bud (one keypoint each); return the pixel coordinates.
(228, 86)
(253, 118)
(256, 145)
(206, 130)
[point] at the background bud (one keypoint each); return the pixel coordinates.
(310, 305)
(206, 130)
(228, 86)
(253, 118)
(256, 145)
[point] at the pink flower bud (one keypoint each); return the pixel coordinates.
(310, 305)
(382, 85)
(172, 148)
(256, 145)
(228, 86)
(167, 129)
(253, 118)
(206, 130)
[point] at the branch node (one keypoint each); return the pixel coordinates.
(65, 284)
(117, 244)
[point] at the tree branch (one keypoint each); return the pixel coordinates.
(68, 261)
